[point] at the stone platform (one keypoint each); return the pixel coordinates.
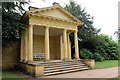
(54, 67)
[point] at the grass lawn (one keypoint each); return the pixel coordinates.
(116, 78)
(9, 74)
(106, 64)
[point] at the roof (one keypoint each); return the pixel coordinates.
(34, 10)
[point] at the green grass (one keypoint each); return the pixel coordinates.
(106, 64)
(9, 74)
(116, 78)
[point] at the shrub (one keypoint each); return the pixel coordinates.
(86, 54)
(98, 57)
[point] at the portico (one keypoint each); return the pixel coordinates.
(48, 33)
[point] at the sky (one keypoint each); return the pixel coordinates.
(105, 12)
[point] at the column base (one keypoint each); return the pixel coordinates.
(25, 61)
(29, 62)
(46, 60)
(65, 59)
(77, 59)
(70, 59)
(21, 60)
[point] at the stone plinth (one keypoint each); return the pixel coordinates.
(89, 62)
(32, 69)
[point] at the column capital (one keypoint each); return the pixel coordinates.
(26, 28)
(22, 32)
(30, 25)
(76, 31)
(46, 27)
(64, 29)
(68, 33)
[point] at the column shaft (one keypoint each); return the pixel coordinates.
(26, 46)
(61, 47)
(76, 45)
(30, 54)
(65, 43)
(47, 54)
(69, 46)
(21, 51)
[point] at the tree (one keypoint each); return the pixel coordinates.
(86, 31)
(107, 49)
(11, 25)
(91, 45)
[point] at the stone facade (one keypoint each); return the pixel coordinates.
(48, 33)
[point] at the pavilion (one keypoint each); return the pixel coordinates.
(47, 34)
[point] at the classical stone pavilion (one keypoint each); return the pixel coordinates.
(48, 33)
(47, 36)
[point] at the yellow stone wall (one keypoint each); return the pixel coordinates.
(38, 46)
(10, 56)
(57, 47)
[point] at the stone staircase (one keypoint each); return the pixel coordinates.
(59, 67)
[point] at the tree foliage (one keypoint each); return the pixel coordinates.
(86, 30)
(11, 25)
(91, 45)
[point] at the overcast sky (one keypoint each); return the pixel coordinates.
(105, 12)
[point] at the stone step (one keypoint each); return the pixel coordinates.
(48, 66)
(60, 67)
(63, 69)
(61, 72)
(58, 62)
(61, 64)
(52, 68)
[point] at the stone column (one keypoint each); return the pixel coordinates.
(30, 54)
(76, 45)
(47, 54)
(65, 43)
(21, 51)
(69, 46)
(26, 46)
(61, 47)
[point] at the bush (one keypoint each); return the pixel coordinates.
(104, 49)
(98, 57)
(86, 54)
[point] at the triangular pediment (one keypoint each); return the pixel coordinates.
(56, 12)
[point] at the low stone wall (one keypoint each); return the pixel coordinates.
(90, 63)
(31, 69)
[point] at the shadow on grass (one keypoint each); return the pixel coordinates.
(10, 74)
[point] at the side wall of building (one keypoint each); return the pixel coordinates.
(10, 56)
